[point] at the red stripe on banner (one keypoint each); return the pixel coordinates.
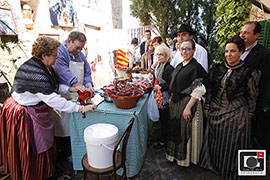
(121, 55)
(121, 66)
(123, 63)
(124, 60)
(122, 51)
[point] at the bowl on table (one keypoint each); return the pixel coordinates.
(125, 102)
(106, 97)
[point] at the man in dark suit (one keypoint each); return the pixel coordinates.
(259, 57)
(147, 36)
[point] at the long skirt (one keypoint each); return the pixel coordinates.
(16, 153)
(227, 131)
(184, 144)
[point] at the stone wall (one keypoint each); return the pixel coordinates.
(91, 17)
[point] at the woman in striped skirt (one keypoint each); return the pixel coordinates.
(27, 143)
(230, 104)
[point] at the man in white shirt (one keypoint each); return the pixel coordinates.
(186, 32)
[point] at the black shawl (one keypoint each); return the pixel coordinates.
(241, 73)
(185, 78)
(34, 77)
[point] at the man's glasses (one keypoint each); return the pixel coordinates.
(78, 47)
(185, 49)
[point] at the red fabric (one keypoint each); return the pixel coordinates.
(159, 98)
(15, 147)
(156, 81)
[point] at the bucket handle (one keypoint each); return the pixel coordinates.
(109, 147)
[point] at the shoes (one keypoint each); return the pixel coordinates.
(159, 145)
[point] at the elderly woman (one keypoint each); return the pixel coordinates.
(162, 73)
(230, 104)
(148, 57)
(27, 140)
(185, 121)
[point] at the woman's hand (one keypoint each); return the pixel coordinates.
(90, 107)
(73, 89)
(187, 111)
(187, 114)
(78, 87)
(155, 88)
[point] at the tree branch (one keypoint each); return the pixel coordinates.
(260, 5)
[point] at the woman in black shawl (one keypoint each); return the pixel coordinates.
(27, 143)
(230, 104)
(185, 122)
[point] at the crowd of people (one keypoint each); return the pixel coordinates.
(208, 114)
(28, 148)
(230, 98)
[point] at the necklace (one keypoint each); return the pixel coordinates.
(241, 63)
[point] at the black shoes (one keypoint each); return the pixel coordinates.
(159, 145)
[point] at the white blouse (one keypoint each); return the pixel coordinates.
(198, 92)
(53, 100)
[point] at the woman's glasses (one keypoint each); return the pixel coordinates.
(159, 54)
(185, 49)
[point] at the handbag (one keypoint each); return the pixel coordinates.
(152, 108)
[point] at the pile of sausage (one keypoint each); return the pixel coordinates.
(123, 88)
(145, 85)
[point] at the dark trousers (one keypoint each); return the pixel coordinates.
(163, 118)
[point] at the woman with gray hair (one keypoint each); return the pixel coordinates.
(162, 74)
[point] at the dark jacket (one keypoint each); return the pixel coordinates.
(259, 58)
(167, 77)
(142, 48)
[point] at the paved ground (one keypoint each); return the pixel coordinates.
(155, 167)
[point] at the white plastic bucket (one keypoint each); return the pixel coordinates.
(100, 141)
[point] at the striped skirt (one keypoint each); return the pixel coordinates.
(16, 154)
(227, 131)
(175, 148)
